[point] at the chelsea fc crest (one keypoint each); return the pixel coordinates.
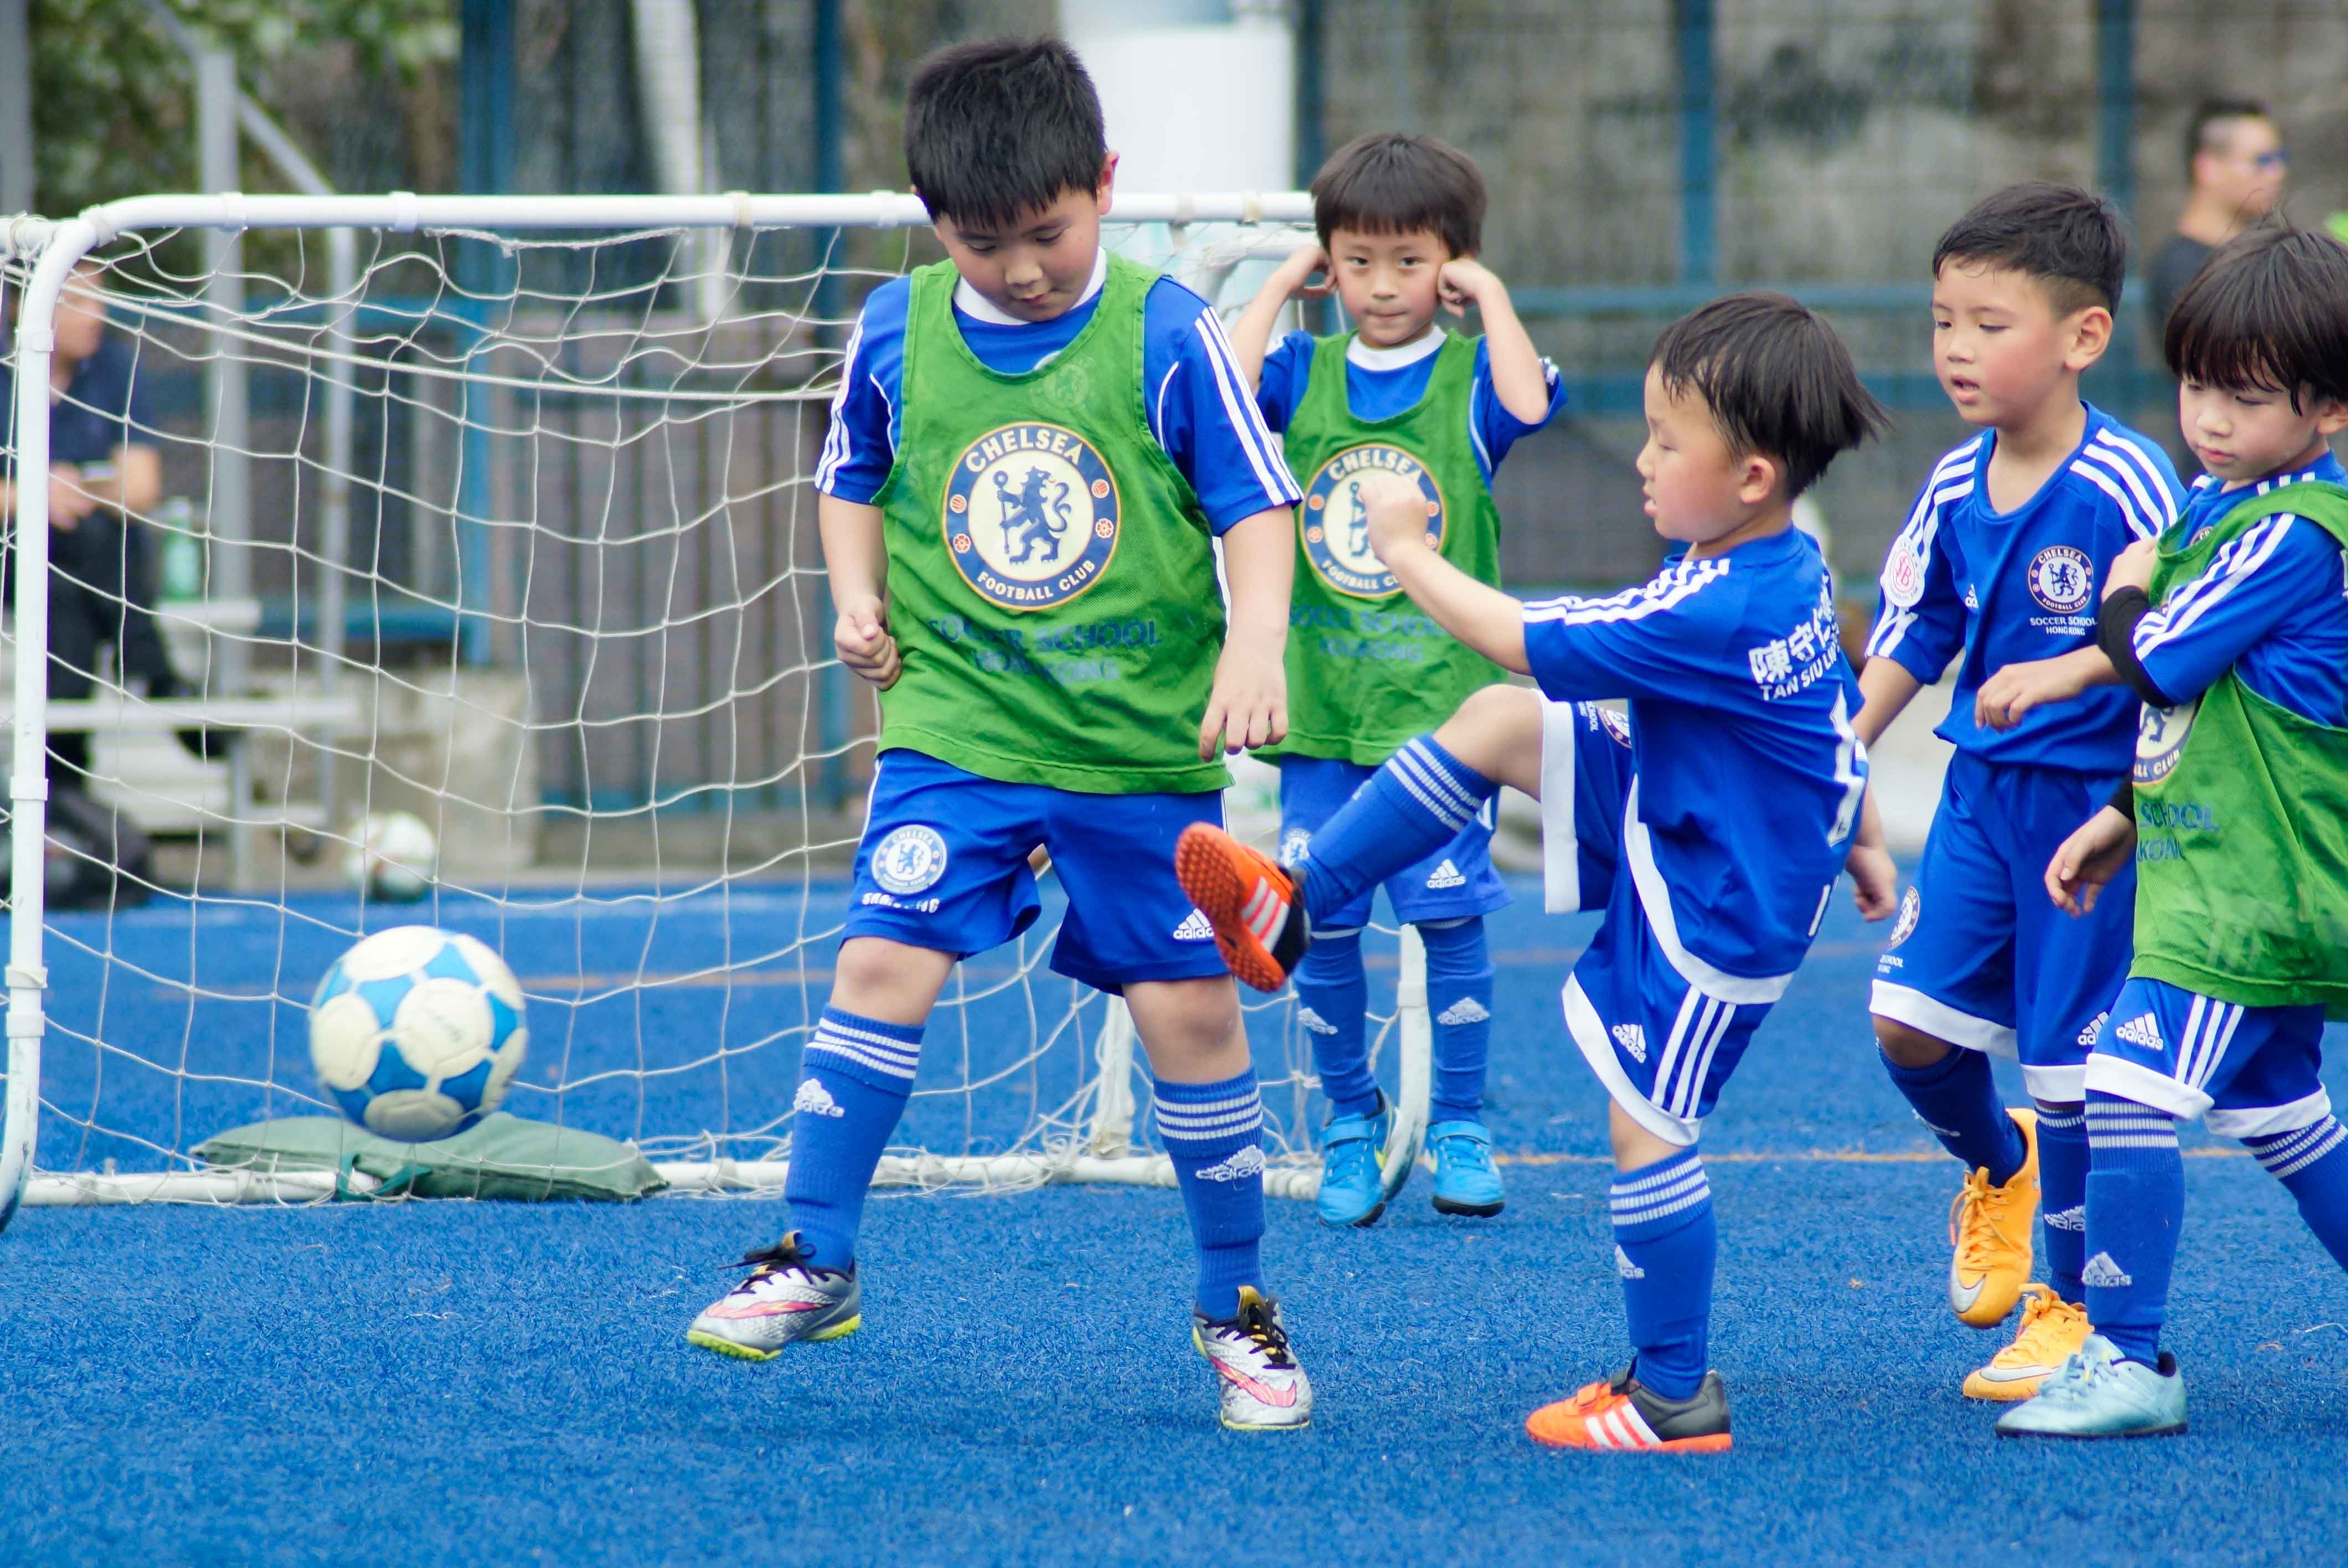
(1031, 516)
(2062, 580)
(910, 859)
(2160, 740)
(1336, 528)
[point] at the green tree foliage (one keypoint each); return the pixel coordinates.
(114, 95)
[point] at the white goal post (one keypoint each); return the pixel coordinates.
(666, 1016)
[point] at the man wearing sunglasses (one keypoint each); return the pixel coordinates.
(2235, 158)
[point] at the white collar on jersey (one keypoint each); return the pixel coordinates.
(1402, 354)
(973, 303)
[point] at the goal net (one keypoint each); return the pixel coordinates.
(497, 513)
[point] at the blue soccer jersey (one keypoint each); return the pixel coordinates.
(1747, 774)
(1381, 382)
(2002, 587)
(1199, 412)
(2273, 605)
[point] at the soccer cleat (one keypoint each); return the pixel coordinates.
(2051, 1333)
(1625, 1416)
(1465, 1182)
(2095, 1394)
(1260, 925)
(1990, 1233)
(1353, 1167)
(1262, 1387)
(785, 1300)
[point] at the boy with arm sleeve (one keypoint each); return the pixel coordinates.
(1400, 219)
(1997, 568)
(1710, 828)
(1032, 447)
(2234, 633)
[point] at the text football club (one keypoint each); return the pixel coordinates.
(2160, 736)
(1336, 526)
(1031, 516)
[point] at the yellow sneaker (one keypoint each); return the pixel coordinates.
(2052, 1331)
(1990, 1232)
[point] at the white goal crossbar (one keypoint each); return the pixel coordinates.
(1104, 1154)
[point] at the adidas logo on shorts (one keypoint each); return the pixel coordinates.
(1194, 928)
(1632, 1038)
(1624, 1266)
(2070, 1219)
(2087, 1035)
(1446, 875)
(1314, 1021)
(1467, 1010)
(2103, 1272)
(2143, 1030)
(1241, 1164)
(814, 1100)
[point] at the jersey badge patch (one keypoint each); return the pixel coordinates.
(1336, 529)
(1903, 576)
(1031, 516)
(910, 860)
(2062, 580)
(1912, 908)
(2160, 740)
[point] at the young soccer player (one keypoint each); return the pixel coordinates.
(1401, 221)
(2235, 633)
(1999, 562)
(1032, 447)
(1711, 828)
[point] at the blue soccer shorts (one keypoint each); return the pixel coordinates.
(1662, 1044)
(1981, 957)
(944, 865)
(1455, 883)
(2249, 1071)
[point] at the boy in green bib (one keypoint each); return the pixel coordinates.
(1033, 451)
(2233, 628)
(1400, 219)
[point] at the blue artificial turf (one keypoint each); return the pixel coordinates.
(475, 1384)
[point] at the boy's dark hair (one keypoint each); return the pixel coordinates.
(1388, 183)
(2070, 240)
(2201, 132)
(1777, 378)
(1001, 128)
(2269, 311)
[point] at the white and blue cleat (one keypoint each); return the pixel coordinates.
(2097, 1394)
(1353, 1161)
(1466, 1181)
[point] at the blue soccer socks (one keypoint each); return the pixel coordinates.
(1211, 1132)
(1407, 810)
(2312, 1163)
(1459, 996)
(2135, 1204)
(1664, 1246)
(856, 1075)
(2063, 1196)
(1333, 1000)
(1957, 1099)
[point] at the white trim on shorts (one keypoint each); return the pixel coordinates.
(2117, 1075)
(1589, 1032)
(1906, 1004)
(1655, 903)
(1560, 839)
(2265, 1121)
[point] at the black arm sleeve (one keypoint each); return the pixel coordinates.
(2116, 635)
(2124, 799)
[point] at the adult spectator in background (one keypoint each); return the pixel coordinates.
(104, 470)
(2235, 160)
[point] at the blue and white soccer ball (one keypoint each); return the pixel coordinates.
(417, 1032)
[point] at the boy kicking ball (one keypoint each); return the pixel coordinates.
(1711, 830)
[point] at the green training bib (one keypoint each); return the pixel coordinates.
(1050, 575)
(2241, 811)
(1366, 670)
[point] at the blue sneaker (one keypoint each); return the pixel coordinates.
(1353, 1160)
(1465, 1179)
(2098, 1395)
